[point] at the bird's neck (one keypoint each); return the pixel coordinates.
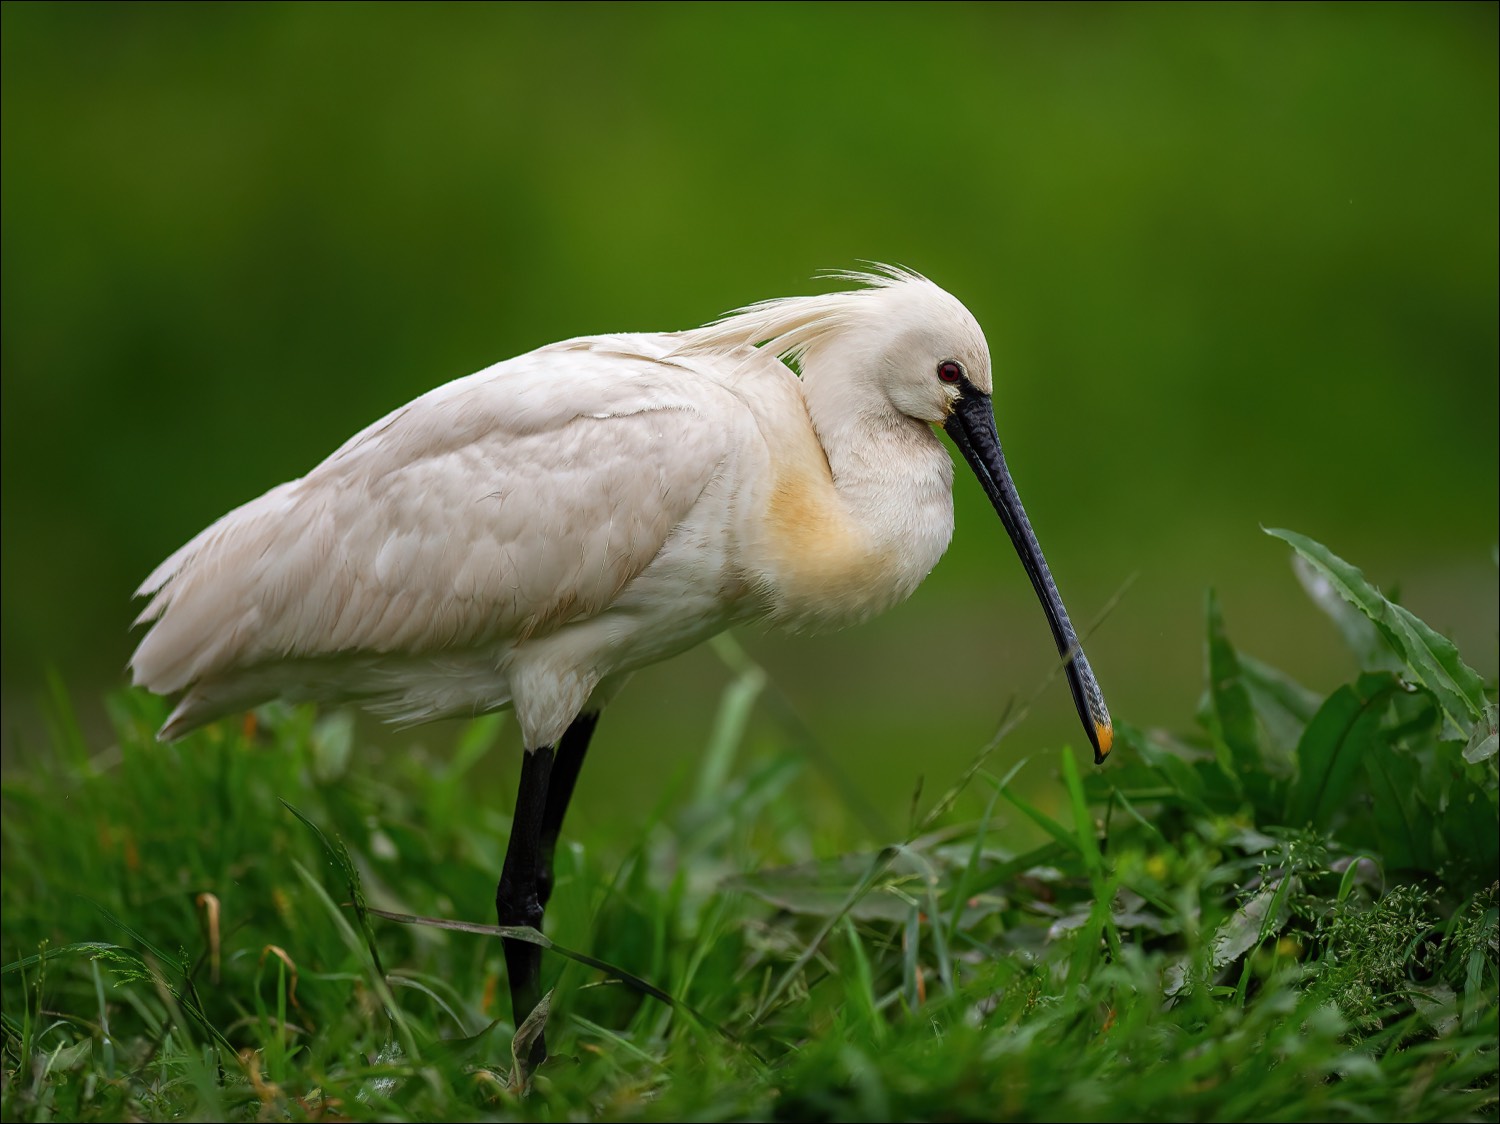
(891, 472)
(860, 513)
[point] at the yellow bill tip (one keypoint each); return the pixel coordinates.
(1106, 736)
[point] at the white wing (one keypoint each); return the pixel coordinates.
(504, 504)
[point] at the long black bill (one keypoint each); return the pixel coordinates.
(972, 427)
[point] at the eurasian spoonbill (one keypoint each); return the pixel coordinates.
(529, 535)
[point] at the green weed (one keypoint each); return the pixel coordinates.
(1288, 914)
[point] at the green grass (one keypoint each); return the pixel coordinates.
(1289, 914)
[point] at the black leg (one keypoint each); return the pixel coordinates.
(570, 751)
(516, 899)
(547, 781)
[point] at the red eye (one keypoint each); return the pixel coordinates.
(950, 370)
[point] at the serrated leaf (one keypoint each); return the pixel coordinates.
(1483, 742)
(1345, 729)
(1429, 656)
(1360, 635)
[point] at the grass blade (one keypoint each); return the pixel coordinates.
(533, 936)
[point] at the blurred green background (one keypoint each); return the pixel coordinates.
(1237, 266)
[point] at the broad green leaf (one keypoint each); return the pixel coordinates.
(1466, 824)
(1153, 764)
(1264, 915)
(877, 867)
(1345, 729)
(1231, 714)
(1001, 874)
(1283, 705)
(1430, 657)
(822, 888)
(1402, 823)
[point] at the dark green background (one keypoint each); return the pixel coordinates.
(1237, 265)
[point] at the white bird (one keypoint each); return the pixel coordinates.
(529, 535)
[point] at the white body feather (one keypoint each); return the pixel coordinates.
(532, 533)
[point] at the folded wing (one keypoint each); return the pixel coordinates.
(501, 505)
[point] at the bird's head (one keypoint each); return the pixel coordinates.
(917, 343)
(901, 349)
(898, 345)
